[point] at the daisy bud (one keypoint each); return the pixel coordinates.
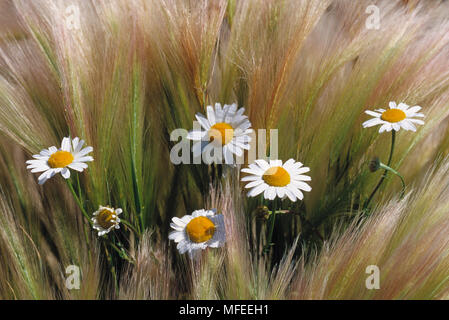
(374, 164)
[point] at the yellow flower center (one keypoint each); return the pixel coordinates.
(276, 177)
(200, 229)
(393, 115)
(221, 132)
(105, 219)
(60, 159)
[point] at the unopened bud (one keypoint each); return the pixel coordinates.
(262, 212)
(374, 164)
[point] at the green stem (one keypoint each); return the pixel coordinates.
(383, 166)
(79, 188)
(270, 232)
(111, 266)
(80, 205)
(120, 251)
(393, 138)
(129, 225)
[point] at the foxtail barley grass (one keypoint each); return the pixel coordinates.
(122, 75)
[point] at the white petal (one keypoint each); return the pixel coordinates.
(196, 135)
(219, 114)
(78, 166)
(200, 213)
(302, 185)
(236, 150)
(372, 113)
(301, 177)
(257, 172)
(75, 142)
(43, 177)
(290, 195)
(240, 111)
(84, 159)
(45, 153)
(40, 169)
(229, 158)
(65, 173)
(203, 121)
(251, 178)
(297, 165)
(262, 164)
(233, 108)
(178, 222)
(270, 193)
(407, 125)
(241, 145)
(176, 227)
(182, 247)
(41, 157)
(276, 163)
(257, 190)
(46, 175)
(280, 192)
(402, 106)
(177, 236)
(302, 170)
(211, 115)
(417, 121)
(36, 162)
(243, 139)
(372, 122)
(244, 126)
(78, 147)
(385, 127)
(83, 152)
(297, 193)
(65, 144)
(289, 164)
(410, 112)
(254, 183)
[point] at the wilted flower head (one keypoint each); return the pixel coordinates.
(105, 219)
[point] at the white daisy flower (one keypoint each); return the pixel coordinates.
(198, 231)
(53, 160)
(225, 129)
(277, 179)
(401, 116)
(105, 219)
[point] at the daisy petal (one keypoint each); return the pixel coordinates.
(84, 151)
(65, 173)
(257, 190)
(372, 113)
(211, 115)
(65, 145)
